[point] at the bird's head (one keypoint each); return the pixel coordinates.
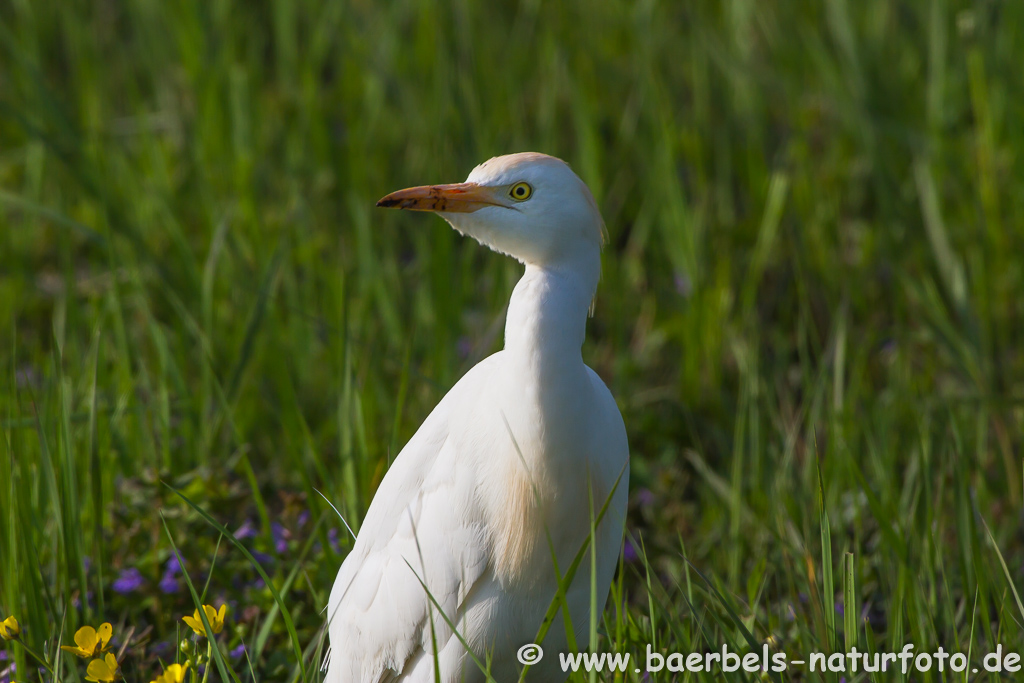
(530, 206)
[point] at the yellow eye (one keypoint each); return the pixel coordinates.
(521, 192)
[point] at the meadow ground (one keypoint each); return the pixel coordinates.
(812, 310)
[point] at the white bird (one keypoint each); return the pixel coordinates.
(502, 476)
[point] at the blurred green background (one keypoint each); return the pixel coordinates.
(814, 274)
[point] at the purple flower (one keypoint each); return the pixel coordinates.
(281, 536)
(169, 583)
(247, 530)
(684, 287)
(76, 601)
(262, 558)
(644, 498)
(839, 607)
(25, 376)
(303, 518)
(129, 581)
(629, 553)
(238, 651)
(332, 538)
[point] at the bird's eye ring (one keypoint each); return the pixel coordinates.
(520, 192)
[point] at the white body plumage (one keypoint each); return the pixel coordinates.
(506, 469)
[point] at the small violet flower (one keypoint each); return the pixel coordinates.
(247, 530)
(332, 538)
(169, 584)
(629, 553)
(262, 558)
(644, 498)
(169, 581)
(76, 599)
(281, 536)
(129, 581)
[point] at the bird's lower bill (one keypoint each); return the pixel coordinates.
(455, 198)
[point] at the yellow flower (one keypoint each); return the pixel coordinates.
(215, 617)
(89, 641)
(102, 669)
(9, 628)
(175, 673)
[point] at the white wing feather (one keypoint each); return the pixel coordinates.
(378, 611)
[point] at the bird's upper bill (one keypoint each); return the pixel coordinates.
(454, 198)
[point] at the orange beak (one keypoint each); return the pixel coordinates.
(457, 198)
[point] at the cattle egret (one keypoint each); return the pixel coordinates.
(497, 490)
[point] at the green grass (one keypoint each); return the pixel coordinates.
(810, 312)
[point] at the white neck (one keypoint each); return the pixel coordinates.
(547, 314)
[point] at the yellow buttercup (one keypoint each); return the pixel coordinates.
(175, 673)
(10, 628)
(215, 617)
(89, 641)
(102, 670)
